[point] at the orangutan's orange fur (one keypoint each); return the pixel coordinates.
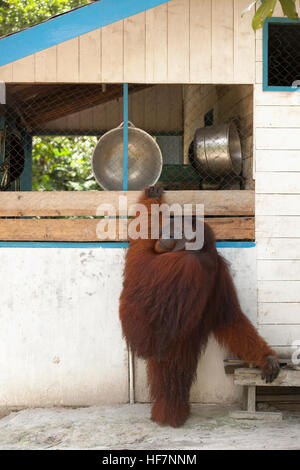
(169, 305)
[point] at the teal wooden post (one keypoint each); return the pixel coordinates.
(2, 126)
(26, 176)
(125, 136)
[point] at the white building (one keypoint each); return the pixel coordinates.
(61, 339)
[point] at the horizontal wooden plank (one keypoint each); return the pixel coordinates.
(277, 139)
(281, 406)
(278, 291)
(84, 230)
(278, 270)
(277, 116)
(277, 160)
(85, 203)
(286, 378)
(276, 98)
(284, 352)
(277, 183)
(280, 313)
(286, 399)
(277, 204)
(278, 248)
(277, 226)
(280, 335)
(233, 228)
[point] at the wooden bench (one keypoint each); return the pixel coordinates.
(250, 378)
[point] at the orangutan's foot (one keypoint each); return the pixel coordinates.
(167, 414)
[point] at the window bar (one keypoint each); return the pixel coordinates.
(125, 137)
(26, 176)
(125, 188)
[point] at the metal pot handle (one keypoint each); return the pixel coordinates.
(129, 124)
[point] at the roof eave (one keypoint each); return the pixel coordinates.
(68, 26)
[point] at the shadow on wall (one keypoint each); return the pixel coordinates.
(212, 384)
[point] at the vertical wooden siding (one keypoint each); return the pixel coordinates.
(277, 162)
(158, 108)
(183, 41)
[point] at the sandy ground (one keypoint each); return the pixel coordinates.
(129, 427)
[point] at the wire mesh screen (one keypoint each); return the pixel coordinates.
(183, 136)
(283, 54)
(205, 133)
(12, 150)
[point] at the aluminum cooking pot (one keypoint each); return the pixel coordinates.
(217, 150)
(144, 159)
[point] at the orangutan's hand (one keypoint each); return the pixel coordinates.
(271, 369)
(154, 192)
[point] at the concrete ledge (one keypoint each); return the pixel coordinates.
(261, 415)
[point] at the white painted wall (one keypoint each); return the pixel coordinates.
(277, 174)
(60, 341)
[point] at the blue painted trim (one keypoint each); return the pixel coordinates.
(26, 176)
(125, 136)
(236, 244)
(265, 54)
(70, 25)
(266, 87)
(103, 245)
(64, 245)
(281, 19)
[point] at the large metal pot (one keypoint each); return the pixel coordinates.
(217, 150)
(144, 159)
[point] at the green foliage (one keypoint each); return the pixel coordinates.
(63, 163)
(59, 163)
(266, 10)
(289, 9)
(18, 14)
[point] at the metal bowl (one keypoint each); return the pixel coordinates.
(144, 159)
(217, 150)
